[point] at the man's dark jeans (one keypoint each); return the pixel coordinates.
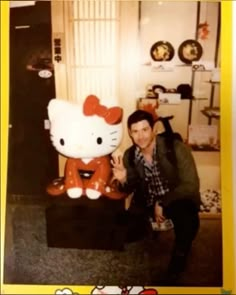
(185, 217)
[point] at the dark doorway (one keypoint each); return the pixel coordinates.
(32, 160)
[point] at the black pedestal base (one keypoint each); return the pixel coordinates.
(86, 224)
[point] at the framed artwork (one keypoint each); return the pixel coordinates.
(35, 281)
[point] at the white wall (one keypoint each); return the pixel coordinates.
(128, 70)
(208, 166)
(173, 22)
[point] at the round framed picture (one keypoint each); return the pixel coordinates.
(162, 51)
(189, 51)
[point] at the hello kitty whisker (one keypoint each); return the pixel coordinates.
(113, 132)
(112, 145)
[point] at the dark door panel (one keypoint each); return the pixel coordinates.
(32, 160)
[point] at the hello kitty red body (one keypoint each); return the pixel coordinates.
(101, 173)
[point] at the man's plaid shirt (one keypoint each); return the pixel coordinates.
(157, 185)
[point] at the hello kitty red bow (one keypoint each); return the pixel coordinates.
(92, 106)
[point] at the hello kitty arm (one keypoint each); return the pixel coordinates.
(72, 177)
(101, 174)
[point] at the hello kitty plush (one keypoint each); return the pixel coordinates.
(87, 136)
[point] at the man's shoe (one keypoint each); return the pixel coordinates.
(169, 279)
(177, 264)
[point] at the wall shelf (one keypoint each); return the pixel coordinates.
(202, 71)
(211, 112)
(212, 82)
(205, 215)
(210, 115)
(200, 98)
(204, 148)
(184, 65)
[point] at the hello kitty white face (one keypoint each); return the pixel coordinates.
(77, 135)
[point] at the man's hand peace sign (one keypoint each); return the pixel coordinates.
(119, 170)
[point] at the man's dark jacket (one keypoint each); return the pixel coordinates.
(181, 174)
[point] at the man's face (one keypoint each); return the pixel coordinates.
(142, 134)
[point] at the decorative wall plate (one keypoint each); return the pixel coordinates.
(189, 51)
(162, 51)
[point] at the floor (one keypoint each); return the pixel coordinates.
(29, 259)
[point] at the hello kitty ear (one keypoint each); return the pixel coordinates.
(56, 107)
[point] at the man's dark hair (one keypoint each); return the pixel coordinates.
(138, 116)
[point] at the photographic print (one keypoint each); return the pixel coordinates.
(72, 73)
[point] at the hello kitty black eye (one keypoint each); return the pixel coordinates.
(99, 140)
(62, 142)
